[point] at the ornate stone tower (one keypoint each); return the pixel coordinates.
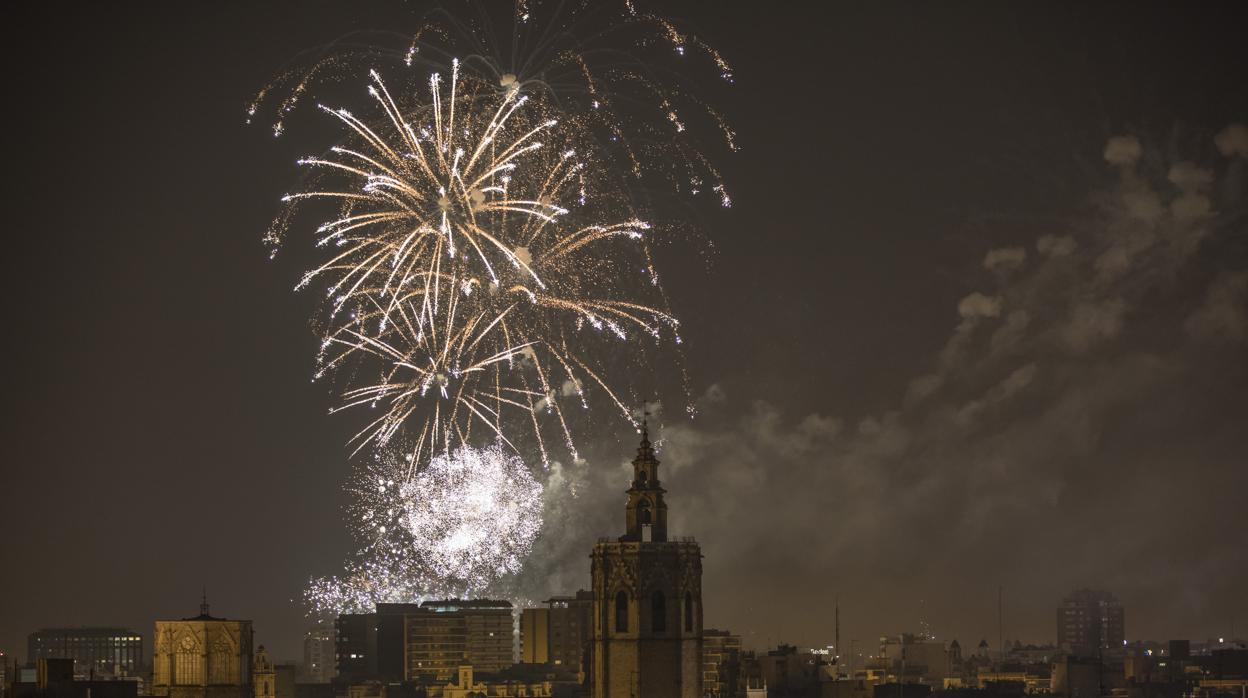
(263, 677)
(647, 613)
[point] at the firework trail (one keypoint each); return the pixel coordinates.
(614, 69)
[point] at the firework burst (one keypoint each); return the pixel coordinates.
(470, 270)
(455, 527)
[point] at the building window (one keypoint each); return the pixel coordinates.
(643, 512)
(621, 612)
(189, 669)
(658, 612)
(688, 612)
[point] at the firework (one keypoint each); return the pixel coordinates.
(474, 268)
(595, 62)
(486, 241)
(455, 527)
(474, 513)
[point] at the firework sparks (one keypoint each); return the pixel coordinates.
(598, 70)
(487, 265)
(458, 277)
(475, 513)
(455, 527)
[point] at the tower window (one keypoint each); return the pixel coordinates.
(621, 612)
(643, 512)
(658, 612)
(688, 612)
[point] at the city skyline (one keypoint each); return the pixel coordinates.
(972, 332)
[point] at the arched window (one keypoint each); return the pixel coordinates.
(643, 512)
(688, 612)
(658, 612)
(621, 612)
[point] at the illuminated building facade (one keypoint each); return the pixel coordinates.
(445, 635)
(202, 657)
(647, 605)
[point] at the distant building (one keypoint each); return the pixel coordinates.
(319, 665)
(54, 678)
(917, 657)
(721, 663)
(571, 629)
(97, 652)
(284, 676)
(466, 683)
(442, 636)
(1089, 621)
(1077, 677)
(392, 638)
(202, 657)
(263, 678)
(786, 670)
(355, 647)
(535, 635)
(558, 634)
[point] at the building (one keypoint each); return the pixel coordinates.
(917, 657)
(391, 638)
(54, 678)
(558, 634)
(1089, 621)
(535, 635)
(202, 657)
(468, 684)
(647, 605)
(571, 629)
(442, 636)
(319, 665)
(721, 663)
(355, 647)
(97, 652)
(263, 678)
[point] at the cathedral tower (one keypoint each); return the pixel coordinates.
(647, 624)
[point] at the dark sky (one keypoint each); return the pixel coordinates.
(979, 318)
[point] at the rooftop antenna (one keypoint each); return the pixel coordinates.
(1000, 624)
(837, 636)
(203, 602)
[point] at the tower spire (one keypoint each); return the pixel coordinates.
(646, 513)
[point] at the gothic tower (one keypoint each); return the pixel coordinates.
(647, 624)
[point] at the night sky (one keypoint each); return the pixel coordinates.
(978, 319)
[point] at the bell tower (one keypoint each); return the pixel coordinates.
(645, 516)
(647, 612)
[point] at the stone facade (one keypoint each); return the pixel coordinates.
(647, 607)
(202, 657)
